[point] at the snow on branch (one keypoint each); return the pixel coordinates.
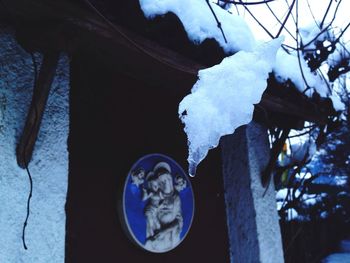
(245, 3)
(217, 20)
(200, 23)
(224, 95)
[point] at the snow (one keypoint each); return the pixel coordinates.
(337, 258)
(279, 205)
(342, 255)
(345, 246)
(200, 23)
(207, 115)
(331, 180)
(310, 201)
(302, 151)
(303, 175)
(282, 193)
(292, 214)
(312, 33)
(298, 152)
(310, 13)
(337, 103)
(324, 214)
(223, 98)
(341, 52)
(45, 233)
(287, 67)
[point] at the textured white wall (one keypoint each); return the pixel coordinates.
(45, 234)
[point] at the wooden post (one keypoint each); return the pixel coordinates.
(253, 227)
(40, 94)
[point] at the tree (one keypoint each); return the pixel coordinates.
(323, 46)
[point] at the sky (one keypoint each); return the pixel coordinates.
(309, 11)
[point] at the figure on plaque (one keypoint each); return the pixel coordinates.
(163, 211)
(138, 176)
(154, 194)
(157, 203)
(180, 183)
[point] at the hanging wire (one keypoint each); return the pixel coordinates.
(35, 68)
(132, 42)
(24, 156)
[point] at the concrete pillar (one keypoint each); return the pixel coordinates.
(253, 227)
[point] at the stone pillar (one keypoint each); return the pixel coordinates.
(253, 227)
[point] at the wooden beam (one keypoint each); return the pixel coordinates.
(84, 18)
(135, 54)
(40, 94)
(277, 104)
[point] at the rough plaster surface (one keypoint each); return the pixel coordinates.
(45, 234)
(254, 231)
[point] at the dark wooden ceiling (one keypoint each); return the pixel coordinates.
(157, 51)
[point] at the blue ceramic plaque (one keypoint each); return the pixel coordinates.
(157, 203)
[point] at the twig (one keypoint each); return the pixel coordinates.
(297, 42)
(342, 32)
(246, 3)
(325, 80)
(304, 133)
(279, 21)
(275, 151)
(293, 238)
(217, 20)
(326, 28)
(286, 19)
(326, 13)
(257, 20)
(312, 14)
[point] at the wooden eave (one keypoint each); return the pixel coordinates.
(78, 26)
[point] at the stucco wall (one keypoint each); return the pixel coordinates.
(45, 234)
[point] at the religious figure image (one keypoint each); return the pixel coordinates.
(138, 176)
(163, 210)
(180, 183)
(155, 215)
(155, 196)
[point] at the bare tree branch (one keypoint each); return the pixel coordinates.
(246, 3)
(257, 20)
(286, 19)
(217, 20)
(297, 42)
(326, 13)
(312, 14)
(303, 133)
(279, 21)
(325, 28)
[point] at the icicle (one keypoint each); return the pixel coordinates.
(192, 169)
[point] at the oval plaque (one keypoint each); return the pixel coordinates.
(157, 203)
